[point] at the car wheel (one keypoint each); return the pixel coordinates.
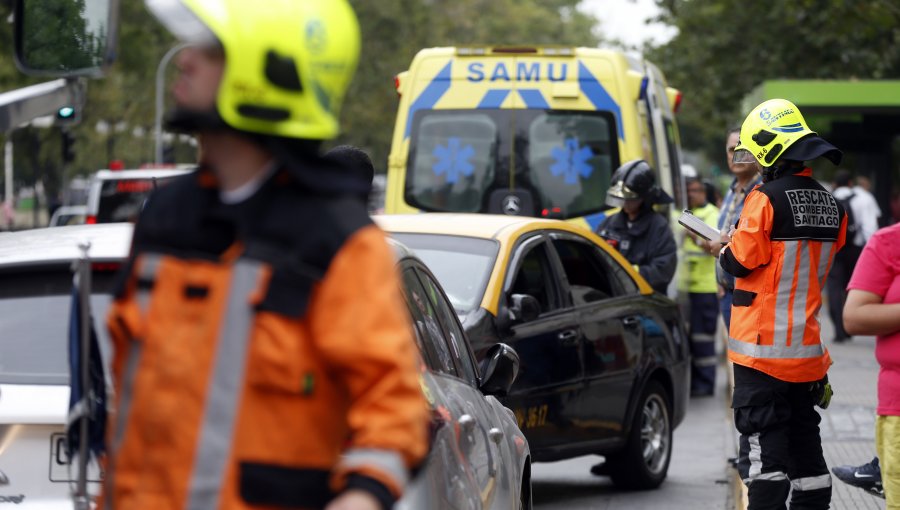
(644, 462)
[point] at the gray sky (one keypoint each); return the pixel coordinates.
(624, 19)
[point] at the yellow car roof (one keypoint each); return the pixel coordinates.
(502, 228)
(484, 226)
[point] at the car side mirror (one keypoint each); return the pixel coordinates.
(523, 308)
(64, 39)
(499, 370)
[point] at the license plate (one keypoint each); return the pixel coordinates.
(60, 468)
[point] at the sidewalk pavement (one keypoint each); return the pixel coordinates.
(848, 425)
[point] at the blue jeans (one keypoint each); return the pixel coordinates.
(725, 308)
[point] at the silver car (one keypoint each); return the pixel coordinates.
(479, 459)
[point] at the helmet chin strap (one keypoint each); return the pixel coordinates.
(182, 120)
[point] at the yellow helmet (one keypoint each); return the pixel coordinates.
(776, 130)
(288, 63)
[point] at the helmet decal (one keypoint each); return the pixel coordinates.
(790, 128)
(316, 37)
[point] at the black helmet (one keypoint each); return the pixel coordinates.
(632, 180)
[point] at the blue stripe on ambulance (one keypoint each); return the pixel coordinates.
(430, 96)
(594, 220)
(534, 99)
(493, 99)
(599, 96)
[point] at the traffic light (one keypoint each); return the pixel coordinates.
(67, 116)
(68, 147)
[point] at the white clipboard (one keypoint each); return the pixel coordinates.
(691, 222)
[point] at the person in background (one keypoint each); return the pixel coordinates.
(873, 308)
(863, 213)
(746, 177)
(637, 231)
(780, 253)
(713, 195)
(698, 279)
(263, 355)
(354, 160)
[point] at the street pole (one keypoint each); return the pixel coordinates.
(160, 78)
(8, 180)
(81, 498)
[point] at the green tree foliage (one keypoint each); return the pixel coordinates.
(726, 48)
(58, 36)
(394, 31)
(118, 118)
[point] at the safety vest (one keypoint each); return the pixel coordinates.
(260, 363)
(700, 274)
(781, 252)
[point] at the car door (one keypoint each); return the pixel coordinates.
(609, 311)
(549, 347)
(464, 409)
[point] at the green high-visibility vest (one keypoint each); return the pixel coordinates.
(699, 267)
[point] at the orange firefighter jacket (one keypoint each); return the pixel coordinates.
(260, 361)
(780, 254)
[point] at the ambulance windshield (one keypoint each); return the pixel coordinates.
(525, 162)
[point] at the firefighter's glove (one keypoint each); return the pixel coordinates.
(822, 392)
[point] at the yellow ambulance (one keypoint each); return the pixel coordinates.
(532, 131)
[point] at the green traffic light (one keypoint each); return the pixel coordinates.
(65, 112)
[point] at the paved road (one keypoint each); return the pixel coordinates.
(699, 476)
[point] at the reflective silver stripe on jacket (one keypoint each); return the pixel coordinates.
(825, 258)
(387, 461)
(225, 386)
(776, 351)
(790, 308)
(811, 483)
(783, 292)
(148, 267)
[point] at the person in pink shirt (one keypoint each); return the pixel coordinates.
(873, 308)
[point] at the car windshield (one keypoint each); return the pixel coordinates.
(556, 163)
(34, 323)
(448, 257)
(123, 199)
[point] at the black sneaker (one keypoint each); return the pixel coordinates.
(867, 477)
(601, 469)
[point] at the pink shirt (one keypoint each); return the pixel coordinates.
(878, 272)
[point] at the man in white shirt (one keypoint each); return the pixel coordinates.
(864, 213)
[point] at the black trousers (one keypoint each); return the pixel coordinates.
(836, 286)
(780, 450)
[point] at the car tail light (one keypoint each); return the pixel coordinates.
(106, 267)
(91, 220)
(678, 97)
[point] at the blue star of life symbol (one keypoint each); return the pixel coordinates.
(453, 159)
(572, 161)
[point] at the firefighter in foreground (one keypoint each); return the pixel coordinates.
(785, 241)
(263, 353)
